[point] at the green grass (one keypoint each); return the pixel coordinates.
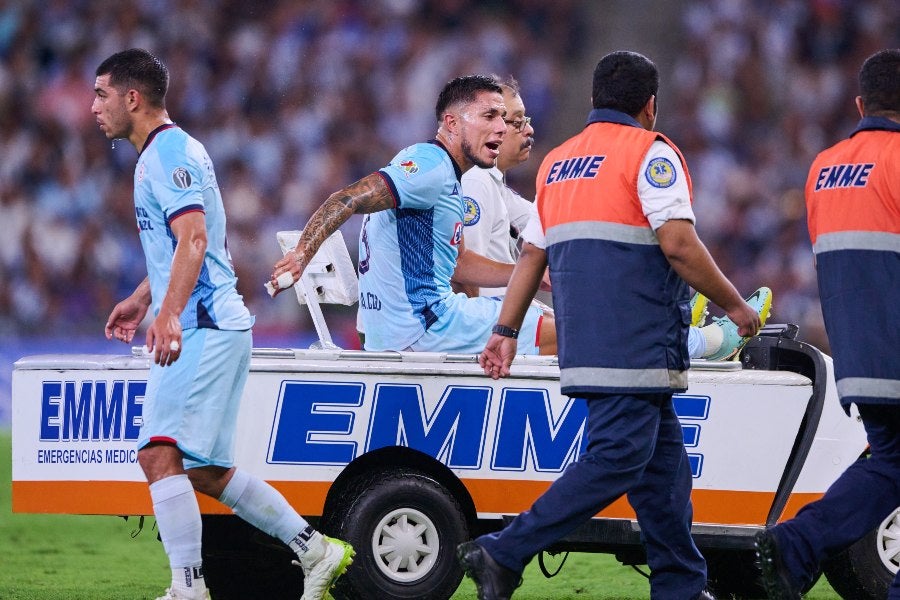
(64, 557)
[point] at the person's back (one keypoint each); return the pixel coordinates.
(854, 218)
(853, 209)
(608, 251)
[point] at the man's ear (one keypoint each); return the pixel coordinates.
(133, 99)
(450, 122)
(650, 108)
(860, 107)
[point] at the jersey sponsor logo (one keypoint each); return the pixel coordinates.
(580, 167)
(471, 211)
(661, 172)
(457, 234)
(409, 167)
(143, 219)
(181, 178)
(844, 176)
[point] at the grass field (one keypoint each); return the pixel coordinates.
(64, 557)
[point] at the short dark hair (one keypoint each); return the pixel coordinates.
(879, 82)
(464, 90)
(624, 81)
(138, 69)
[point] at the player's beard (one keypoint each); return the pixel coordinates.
(466, 148)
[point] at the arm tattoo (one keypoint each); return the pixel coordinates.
(369, 194)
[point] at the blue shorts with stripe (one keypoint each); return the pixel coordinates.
(193, 403)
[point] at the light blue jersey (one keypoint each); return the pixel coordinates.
(407, 256)
(173, 176)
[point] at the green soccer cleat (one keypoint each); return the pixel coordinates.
(732, 342)
(322, 566)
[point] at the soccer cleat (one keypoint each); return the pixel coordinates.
(699, 310)
(492, 581)
(322, 566)
(732, 342)
(171, 594)
(775, 577)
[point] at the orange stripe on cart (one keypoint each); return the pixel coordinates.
(133, 497)
(726, 507)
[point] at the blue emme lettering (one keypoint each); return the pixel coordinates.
(844, 176)
(91, 410)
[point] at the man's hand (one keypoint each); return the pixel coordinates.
(498, 354)
(164, 338)
(287, 272)
(745, 318)
(127, 315)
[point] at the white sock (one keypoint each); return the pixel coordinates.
(258, 503)
(714, 336)
(180, 529)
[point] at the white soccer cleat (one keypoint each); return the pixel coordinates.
(173, 595)
(322, 566)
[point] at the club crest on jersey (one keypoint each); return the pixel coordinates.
(457, 234)
(181, 178)
(660, 172)
(471, 211)
(409, 167)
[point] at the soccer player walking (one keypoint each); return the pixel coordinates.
(200, 337)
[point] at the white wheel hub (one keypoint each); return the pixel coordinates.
(405, 545)
(888, 540)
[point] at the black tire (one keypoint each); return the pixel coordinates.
(859, 573)
(391, 502)
(241, 562)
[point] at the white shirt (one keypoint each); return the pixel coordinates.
(660, 203)
(494, 216)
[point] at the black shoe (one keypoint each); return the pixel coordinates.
(493, 581)
(775, 577)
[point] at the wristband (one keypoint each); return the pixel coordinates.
(505, 331)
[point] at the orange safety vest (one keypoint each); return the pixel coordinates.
(853, 207)
(622, 312)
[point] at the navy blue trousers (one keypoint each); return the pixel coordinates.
(861, 498)
(635, 447)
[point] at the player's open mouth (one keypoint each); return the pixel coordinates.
(493, 148)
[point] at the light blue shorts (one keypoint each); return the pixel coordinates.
(193, 403)
(466, 327)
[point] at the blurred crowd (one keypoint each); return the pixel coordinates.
(292, 100)
(296, 99)
(759, 88)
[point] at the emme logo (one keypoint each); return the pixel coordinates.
(315, 424)
(91, 410)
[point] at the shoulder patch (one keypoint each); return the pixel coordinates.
(409, 167)
(660, 172)
(181, 178)
(471, 211)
